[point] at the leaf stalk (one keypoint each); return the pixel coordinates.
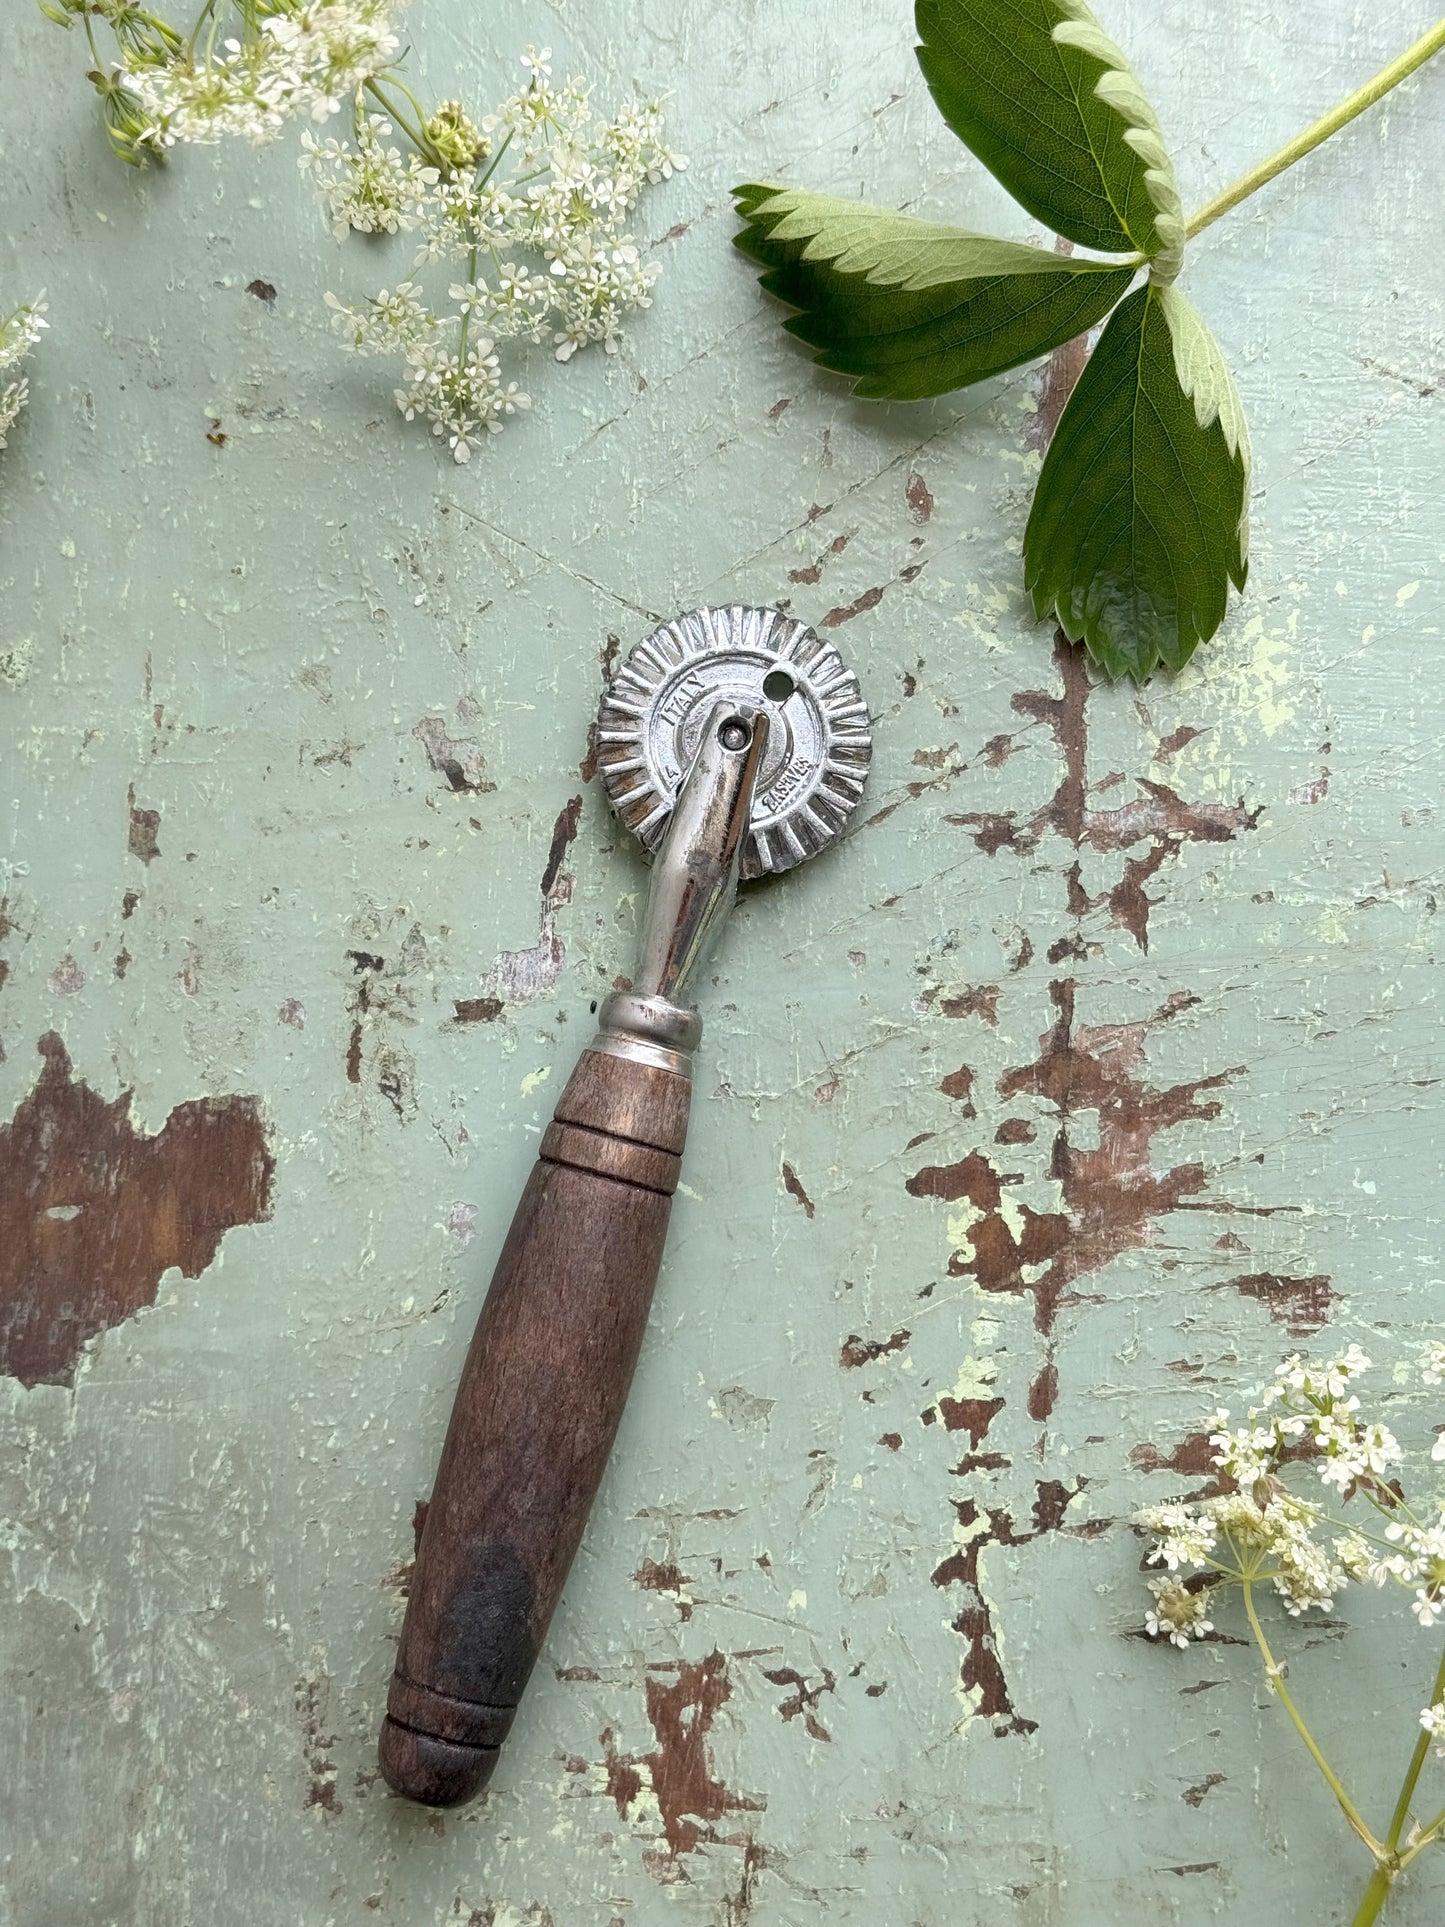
(1389, 77)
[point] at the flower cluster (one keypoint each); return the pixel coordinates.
(538, 251)
(19, 332)
(541, 244)
(1303, 1452)
(1178, 1613)
(246, 68)
(1259, 1528)
(368, 187)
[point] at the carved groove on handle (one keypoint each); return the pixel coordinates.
(587, 1149)
(463, 1722)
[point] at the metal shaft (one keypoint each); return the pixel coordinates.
(695, 873)
(694, 884)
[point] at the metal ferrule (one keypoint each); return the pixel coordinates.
(694, 884)
(649, 1030)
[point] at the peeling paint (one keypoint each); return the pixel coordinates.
(458, 758)
(1301, 1305)
(93, 1212)
(1189, 927)
(144, 826)
(691, 1800)
(521, 976)
(1160, 816)
(793, 1185)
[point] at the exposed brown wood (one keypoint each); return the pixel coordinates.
(93, 1210)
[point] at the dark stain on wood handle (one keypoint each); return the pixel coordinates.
(538, 1406)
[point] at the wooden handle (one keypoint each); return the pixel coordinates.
(541, 1394)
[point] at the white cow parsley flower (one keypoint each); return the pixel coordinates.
(1243, 1453)
(369, 187)
(19, 332)
(1352, 1554)
(527, 207)
(388, 323)
(284, 60)
(1260, 1528)
(462, 395)
(530, 204)
(1177, 1613)
(13, 397)
(1186, 1536)
(1306, 1576)
(21, 329)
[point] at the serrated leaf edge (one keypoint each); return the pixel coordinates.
(1119, 87)
(846, 241)
(886, 248)
(1205, 377)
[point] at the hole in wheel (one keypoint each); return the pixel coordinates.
(778, 685)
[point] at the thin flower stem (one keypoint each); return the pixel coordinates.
(1382, 1880)
(1350, 1525)
(163, 27)
(1427, 45)
(1412, 1772)
(496, 161)
(395, 80)
(467, 312)
(414, 134)
(206, 12)
(1421, 1838)
(1392, 1512)
(1276, 1678)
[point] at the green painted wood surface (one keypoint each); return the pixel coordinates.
(841, 1643)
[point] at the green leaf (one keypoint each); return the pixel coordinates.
(1038, 91)
(909, 308)
(1140, 518)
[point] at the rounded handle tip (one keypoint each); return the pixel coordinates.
(433, 1772)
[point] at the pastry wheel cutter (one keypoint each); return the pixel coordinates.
(733, 743)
